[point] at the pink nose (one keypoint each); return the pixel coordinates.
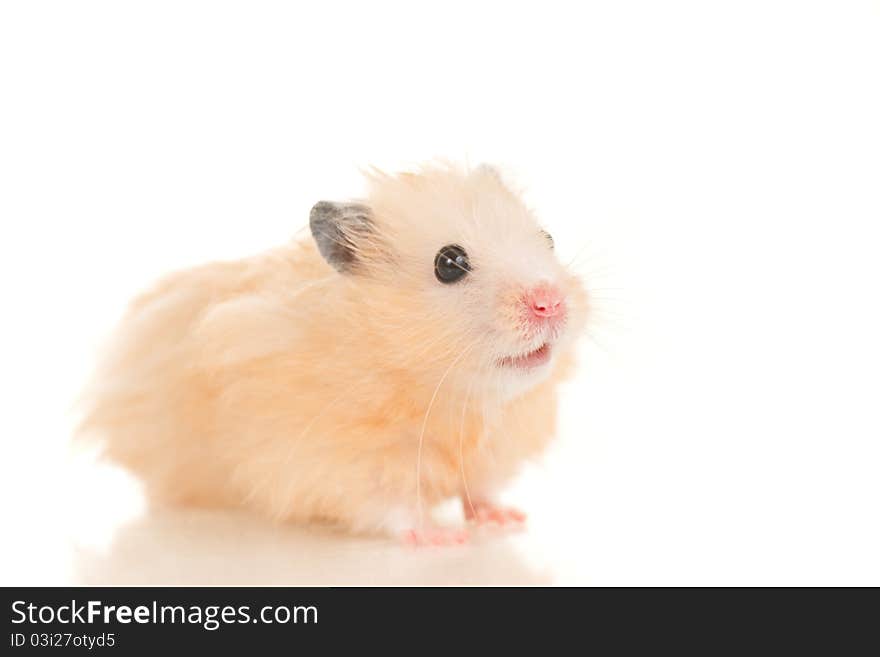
(545, 302)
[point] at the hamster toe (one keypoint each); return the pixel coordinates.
(486, 513)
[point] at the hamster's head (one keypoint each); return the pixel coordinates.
(457, 275)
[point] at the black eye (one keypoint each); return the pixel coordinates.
(451, 263)
(549, 238)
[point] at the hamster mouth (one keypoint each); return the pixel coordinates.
(528, 360)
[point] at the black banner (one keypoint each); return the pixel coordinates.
(148, 619)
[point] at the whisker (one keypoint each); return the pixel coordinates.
(467, 491)
(425, 425)
(596, 342)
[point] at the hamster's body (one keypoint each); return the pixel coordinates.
(314, 384)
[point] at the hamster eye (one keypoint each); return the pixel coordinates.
(451, 263)
(549, 238)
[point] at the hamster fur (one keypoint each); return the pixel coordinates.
(338, 378)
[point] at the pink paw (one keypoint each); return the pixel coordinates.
(484, 513)
(435, 536)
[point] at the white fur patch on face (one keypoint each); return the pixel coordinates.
(511, 383)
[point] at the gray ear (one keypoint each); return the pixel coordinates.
(491, 171)
(336, 228)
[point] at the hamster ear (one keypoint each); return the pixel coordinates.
(337, 229)
(486, 169)
(491, 172)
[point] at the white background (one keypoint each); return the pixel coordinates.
(714, 166)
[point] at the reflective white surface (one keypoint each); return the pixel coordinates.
(711, 168)
(221, 548)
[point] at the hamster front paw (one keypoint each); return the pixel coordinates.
(487, 513)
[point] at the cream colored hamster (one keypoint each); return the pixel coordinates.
(408, 352)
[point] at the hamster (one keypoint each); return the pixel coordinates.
(407, 352)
